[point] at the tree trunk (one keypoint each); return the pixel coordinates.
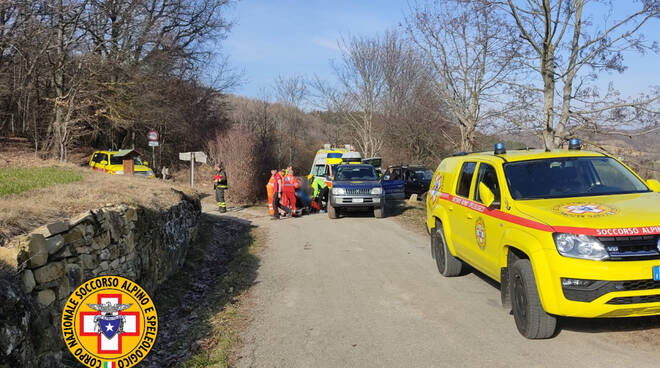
(547, 70)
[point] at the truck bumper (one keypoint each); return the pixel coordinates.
(614, 289)
(355, 201)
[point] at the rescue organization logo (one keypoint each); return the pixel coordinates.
(109, 322)
(480, 232)
(585, 210)
(437, 185)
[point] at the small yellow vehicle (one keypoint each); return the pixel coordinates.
(565, 232)
(112, 162)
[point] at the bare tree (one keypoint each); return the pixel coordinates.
(358, 97)
(65, 17)
(568, 49)
(291, 93)
(470, 52)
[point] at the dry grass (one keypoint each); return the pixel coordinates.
(21, 213)
(411, 214)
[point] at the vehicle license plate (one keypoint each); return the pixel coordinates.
(357, 200)
(656, 273)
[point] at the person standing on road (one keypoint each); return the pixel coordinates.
(290, 183)
(220, 185)
(320, 192)
(277, 195)
(270, 191)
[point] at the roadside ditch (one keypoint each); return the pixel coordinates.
(199, 306)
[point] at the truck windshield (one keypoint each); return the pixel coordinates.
(356, 173)
(114, 160)
(570, 177)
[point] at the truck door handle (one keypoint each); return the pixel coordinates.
(451, 208)
(470, 216)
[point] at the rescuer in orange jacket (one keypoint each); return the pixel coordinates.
(270, 191)
(220, 185)
(289, 185)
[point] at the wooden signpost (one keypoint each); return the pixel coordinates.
(192, 157)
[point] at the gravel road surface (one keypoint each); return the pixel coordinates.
(364, 292)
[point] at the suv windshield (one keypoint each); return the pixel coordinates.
(570, 177)
(356, 173)
(424, 174)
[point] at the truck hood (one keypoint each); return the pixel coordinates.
(624, 211)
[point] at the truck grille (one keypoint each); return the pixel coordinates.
(600, 288)
(635, 299)
(358, 191)
(629, 248)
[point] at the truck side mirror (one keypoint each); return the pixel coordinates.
(104, 162)
(145, 163)
(486, 195)
(653, 184)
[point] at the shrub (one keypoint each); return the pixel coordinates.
(239, 151)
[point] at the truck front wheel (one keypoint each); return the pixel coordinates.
(532, 321)
(448, 265)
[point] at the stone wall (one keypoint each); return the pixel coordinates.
(138, 243)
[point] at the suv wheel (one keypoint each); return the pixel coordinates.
(532, 321)
(379, 212)
(448, 265)
(332, 211)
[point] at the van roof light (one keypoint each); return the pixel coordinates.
(574, 144)
(500, 149)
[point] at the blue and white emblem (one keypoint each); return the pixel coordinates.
(109, 323)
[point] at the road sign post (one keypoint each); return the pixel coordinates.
(152, 137)
(192, 157)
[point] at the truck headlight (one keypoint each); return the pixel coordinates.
(338, 191)
(580, 246)
(377, 190)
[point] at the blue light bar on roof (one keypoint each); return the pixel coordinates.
(574, 144)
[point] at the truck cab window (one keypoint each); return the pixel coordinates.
(464, 181)
(488, 176)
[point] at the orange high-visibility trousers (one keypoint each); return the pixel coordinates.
(289, 199)
(270, 190)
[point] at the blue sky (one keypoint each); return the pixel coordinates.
(274, 37)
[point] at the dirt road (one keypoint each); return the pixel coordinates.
(364, 292)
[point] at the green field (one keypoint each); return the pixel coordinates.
(16, 180)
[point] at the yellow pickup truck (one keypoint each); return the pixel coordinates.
(111, 162)
(565, 232)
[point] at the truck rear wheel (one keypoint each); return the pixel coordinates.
(332, 211)
(532, 321)
(448, 265)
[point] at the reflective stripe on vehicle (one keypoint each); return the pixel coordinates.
(628, 231)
